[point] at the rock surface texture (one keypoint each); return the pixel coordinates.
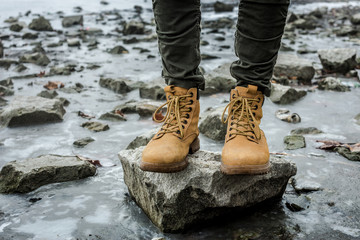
(30, 174)
(292, 66)
(28, 110)
(175, 201)
(339, 60)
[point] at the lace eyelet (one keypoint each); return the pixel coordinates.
(233, 96)
(252, 137)
(230, 129)
(190, 109)
(178, 131)
(187, 116)
(253, 125)
(254, 114)
(232, 117)
(183, 126)
(256, 107)
(191, 94)
(231, 124)
(230, 135)
(185, 122)
(191, 101)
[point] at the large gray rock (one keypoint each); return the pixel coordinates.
(292, 67)
(117, 85)
(200, 192)
(211, 124)
(40, 24)
(72, 20)
(340, 60)
(284, 94)
(28, 110)
(219, 80)
(30, 174)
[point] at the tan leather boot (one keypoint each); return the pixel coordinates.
(167, 150)
(245, 150)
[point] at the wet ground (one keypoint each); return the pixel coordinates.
(100, 207)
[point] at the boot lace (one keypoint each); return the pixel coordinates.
(242, 118)
(176, 114)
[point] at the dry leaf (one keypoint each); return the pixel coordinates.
(119, 112)
(93, 162)
(41, 74)
(54, 85)
(158, 116)
(84, 115)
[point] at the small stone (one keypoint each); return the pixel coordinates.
(16, 27)
(3, 102)
(112, 116)
(48, 94)
(72, 20)
(5, 91)
(340, 60)
(205, 56)
(286, 116)
(37, 58)
(95, 126)
(40, 24)
(119, 50)
(308, 23)
(222, 7)
(152, 92)
(218, 84)
(355, 19)
(298, 204)
(293, 142)
(29, 36)
(30, 174)
(142, 140)
(73, 42)
(20, 68)
(304, 131)
(294, 67)
(211, 124)
(285, 94)
(83, 142)
(201, 191)
(28, 110)
(133, 27)
(304, 186)
(117, 85)
(1, 50)
(333, 84)
(345, 152)
(143, 108)
(357, 119)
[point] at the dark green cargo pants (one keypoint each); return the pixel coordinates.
(257, 40)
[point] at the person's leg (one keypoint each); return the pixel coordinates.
(178, 30)
(258, 36)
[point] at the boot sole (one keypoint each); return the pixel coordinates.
(245, 169)
(171, 167)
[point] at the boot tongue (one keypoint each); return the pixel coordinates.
(176, 91)
(247, 92)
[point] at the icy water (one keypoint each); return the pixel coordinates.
(100, 207)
